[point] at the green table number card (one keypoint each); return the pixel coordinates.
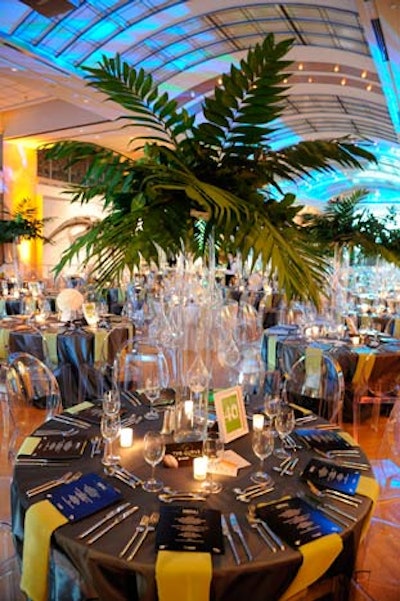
(231, 415)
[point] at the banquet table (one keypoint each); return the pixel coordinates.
(81, 571)
(282, 347)
(73, 353)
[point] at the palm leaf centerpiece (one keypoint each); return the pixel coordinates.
(192, 177)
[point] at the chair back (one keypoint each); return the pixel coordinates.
(135, 363)
(320, 389)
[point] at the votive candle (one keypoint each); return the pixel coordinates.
(126, 437)
(200, 467)
(258, 421)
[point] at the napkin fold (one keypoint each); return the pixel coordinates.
(79, 407)
(313, 362)
(4, 336)
(51, 341)
(271, 355)
(365, 364)
(29, 445)
(396, 328)
(318, 556)
(183, 575)
(41, 520)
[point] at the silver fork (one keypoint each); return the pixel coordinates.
(144, 520)
(65, 479)
(151, 526)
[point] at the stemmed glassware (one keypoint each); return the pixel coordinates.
(213, 449)
(155, 379)
(110, 428)
(284, 424)
(111, 402)
(263, 445)
(153, 453)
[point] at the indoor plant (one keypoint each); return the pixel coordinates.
(190, 178)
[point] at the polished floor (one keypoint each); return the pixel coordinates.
(377, 575)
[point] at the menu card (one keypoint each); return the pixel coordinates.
(325, 474)
(83, 497)
(295, 521)
(323, 440)
(189, 529)
(184, 452)
(59, 447)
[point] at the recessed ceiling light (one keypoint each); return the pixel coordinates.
(364, 74)
(343, 81)
(336, 68)
(300, 66)
(14, 69)
(369, 87)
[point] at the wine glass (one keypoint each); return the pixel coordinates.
(263, 445)
(272, 405)
(154, 380)
(111, 402)
(284, 424)
(110, 428)
(91, 313)
(213, 448)
(198, 377)
(153, 452)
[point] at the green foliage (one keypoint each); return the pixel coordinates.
(21, 224)
(219, 172)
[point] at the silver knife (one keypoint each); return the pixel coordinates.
(115, 521)
(236, 528)
(228, 535)
(103, 520)
(272, 534)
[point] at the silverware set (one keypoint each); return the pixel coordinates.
(306, 419)
(96, 445)
(132, 420)
(124, 475)
(286, 467)
(146, 525)
(181, 495)
(71, 421)
(116, 518)
(269, 537)
(50, 432)
(132, 397)
(344, 458)
(353, 501)
(64, 479)
(250, 492)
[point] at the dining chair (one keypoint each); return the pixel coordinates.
(29, 383)
(316, 382)
(9, 562)
(132, 362)
(376, 381)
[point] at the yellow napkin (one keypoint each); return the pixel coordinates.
(79, 407)
(318, 556)
(348, 438)
(41, 520)
(51, 341)
(272, 340)
(368, 487)
(302, 410)
(99, 341)
(396, 329)
(313, 363)
(29, 445)
(365, 364)
(183, 575)
(4, 336)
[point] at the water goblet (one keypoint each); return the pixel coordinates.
(110, 428)
(152, 392)
(284, 424)
(111, 402)
(263, 445)
(153, 453)
(213, 448)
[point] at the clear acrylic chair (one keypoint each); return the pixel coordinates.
(29, 383)
(320, 389)
(378, 383)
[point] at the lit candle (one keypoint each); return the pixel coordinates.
(258, 421)
(200, 468)
(126, 437)
(188, 409)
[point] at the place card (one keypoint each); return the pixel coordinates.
(323, 440)
(295, 521)
(83, 497)
(189, 529)
(58, 447)
(184, 452)
(325, 474)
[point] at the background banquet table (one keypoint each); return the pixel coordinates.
(79, 571)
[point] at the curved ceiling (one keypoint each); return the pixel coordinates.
(345, 77)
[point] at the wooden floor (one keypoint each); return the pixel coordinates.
(378, 569)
